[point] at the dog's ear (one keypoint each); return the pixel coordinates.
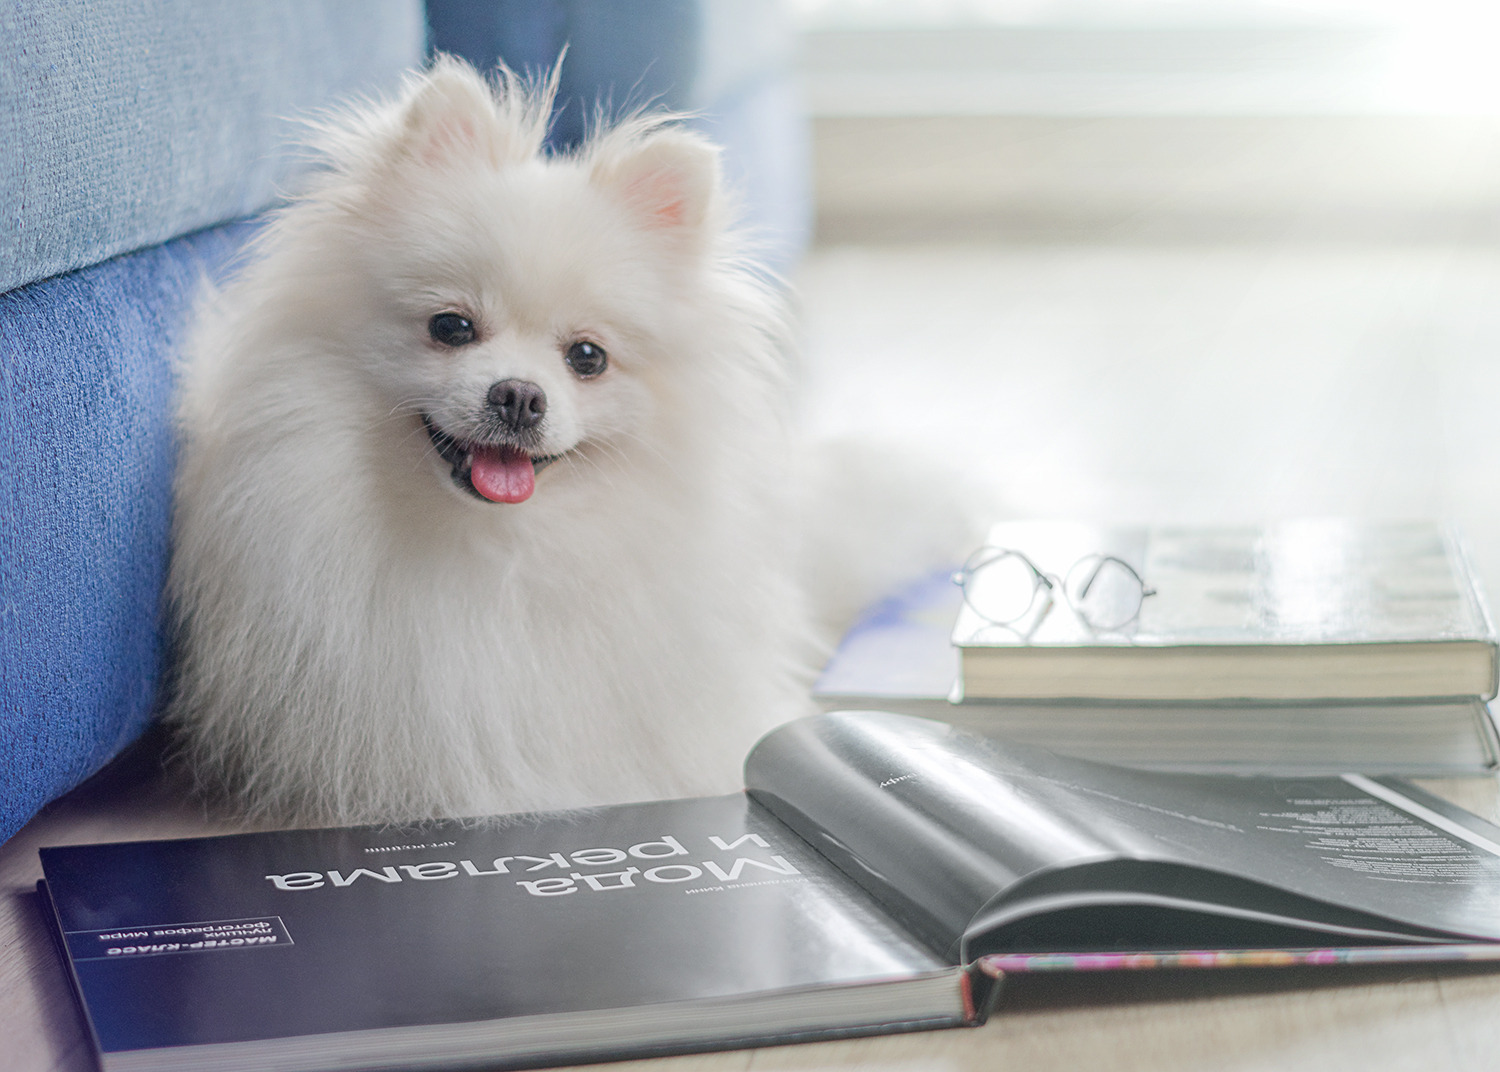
(452, 116)
(668, 177)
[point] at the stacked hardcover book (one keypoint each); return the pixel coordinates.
(1309, 646)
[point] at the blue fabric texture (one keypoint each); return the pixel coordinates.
(86, 452)
(621, 55)
(126, 124)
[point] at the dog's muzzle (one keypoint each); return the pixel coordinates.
(491, 471)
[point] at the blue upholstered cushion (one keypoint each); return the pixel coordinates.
(123, 125)
(625, 55)
(86, 452)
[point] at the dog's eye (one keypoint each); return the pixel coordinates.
(451, 329)
(586, 360)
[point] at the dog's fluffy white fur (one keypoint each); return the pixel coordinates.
(362, 637)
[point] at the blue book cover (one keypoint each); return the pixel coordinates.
(900, 649)
(536, 939)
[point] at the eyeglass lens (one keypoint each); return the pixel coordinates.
(1105, 592)
(1001, 586)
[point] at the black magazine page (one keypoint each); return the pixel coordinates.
(262, 936)
(965, 836)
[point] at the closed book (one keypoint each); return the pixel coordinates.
(898, 657)
(1304, 610)
(874, 877)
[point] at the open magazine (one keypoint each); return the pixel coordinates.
(982, 847)
(880, 874)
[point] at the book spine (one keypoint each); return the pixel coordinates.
(1464, 560)
(998, 964)
(981, 993)
(1489, 738)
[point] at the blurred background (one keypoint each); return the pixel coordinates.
(1162, 260)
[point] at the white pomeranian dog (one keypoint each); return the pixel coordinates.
(484, 499)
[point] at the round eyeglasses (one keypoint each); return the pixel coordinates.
(1003, 587)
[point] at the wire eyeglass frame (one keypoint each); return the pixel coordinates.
(1046, 584)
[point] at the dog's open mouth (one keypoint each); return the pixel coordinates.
(497, 472)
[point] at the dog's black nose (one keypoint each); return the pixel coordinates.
(519, 403)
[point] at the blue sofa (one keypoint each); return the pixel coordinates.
(137, 143)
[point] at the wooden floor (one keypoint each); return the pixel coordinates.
(1129, 382)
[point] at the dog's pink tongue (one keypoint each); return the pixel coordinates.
(503, 474)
